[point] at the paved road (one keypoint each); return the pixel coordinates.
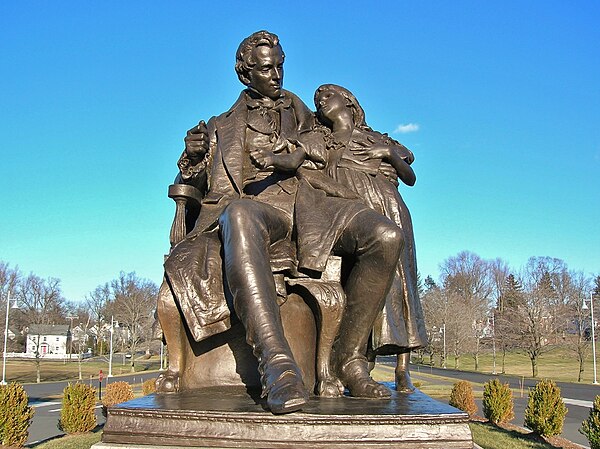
(43, 397)
(577, 397)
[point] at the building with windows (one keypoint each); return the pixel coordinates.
(47, 339)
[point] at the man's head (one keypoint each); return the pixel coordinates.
(259, 64)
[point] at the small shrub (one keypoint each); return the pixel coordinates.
(591, 426)
(497, 402)
(417, 384)
(115, 393)
(149, 387)
(545, 412)
(78, 409)
(15, 415)
(462, 397)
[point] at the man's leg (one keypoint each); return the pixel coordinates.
(375, 243)
(247, 229)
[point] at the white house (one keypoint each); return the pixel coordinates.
(48, 339)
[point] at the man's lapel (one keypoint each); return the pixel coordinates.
(288, 123)
(231, 135)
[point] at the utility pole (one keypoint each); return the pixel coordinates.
(444, 329)
(6, 339)
(584, 307)
(71, 333)
(110, 354)
(494, 341)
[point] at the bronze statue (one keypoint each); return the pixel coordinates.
(370, 163)
(267, 210)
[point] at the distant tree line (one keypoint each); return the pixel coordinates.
(478, 303)
(474, 305)
(128, 300)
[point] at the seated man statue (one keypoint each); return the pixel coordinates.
(247, 221)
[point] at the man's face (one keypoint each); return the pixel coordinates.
(266, 77)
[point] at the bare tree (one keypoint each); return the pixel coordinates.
(80, 335)
(469, 284)
(434, 310)
(9, 278)
(134, 301)
(459, 326)
(97, 303)
(541, 316)
(577, 289)
(41, 302)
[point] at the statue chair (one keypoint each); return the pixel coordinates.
(311, 315)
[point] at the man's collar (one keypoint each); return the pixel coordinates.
(254, 100)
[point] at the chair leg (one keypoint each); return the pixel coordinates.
(175, 336)
(330, 300)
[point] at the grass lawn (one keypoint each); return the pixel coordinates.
(558, 364)
(489, 436)
(75, 441)
(24, 371)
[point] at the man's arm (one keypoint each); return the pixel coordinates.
(195, 159)
(287, 161)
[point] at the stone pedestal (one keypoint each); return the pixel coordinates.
(237, 418)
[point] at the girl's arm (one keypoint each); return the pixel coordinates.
(394, 154)
(404, 170)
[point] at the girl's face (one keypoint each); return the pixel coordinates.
(330, 103)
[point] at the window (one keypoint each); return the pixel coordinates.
(44, 338)
(57, 339)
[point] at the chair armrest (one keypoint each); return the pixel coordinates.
(186, 191)
(185, 197)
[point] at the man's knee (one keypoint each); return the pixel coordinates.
(390, 234)
(390, 239)
(239, 214)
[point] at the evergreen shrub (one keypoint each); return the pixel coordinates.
(545, 412)
(591, 426)
(149, 387)
(497, 402)
(115, 393)
(15, 415)
(462, 397)
(78, 414)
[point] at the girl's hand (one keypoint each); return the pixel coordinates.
(404, 153)
(377, 151)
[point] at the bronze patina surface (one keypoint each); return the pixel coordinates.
(269, 194)
(292, 266)
(232, 417)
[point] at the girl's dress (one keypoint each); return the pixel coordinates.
(401, 326)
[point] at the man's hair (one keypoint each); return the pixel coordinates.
(244, 61)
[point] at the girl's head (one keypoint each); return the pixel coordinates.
(331, 100)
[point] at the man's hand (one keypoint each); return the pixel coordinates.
(279, 159)
(262, 158)
(197, 142)
(389, 172)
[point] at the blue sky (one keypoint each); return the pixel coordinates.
(502, 99)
